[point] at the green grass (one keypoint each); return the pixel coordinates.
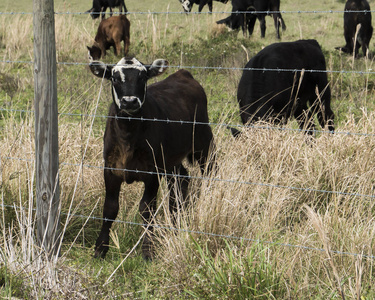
(233, 275)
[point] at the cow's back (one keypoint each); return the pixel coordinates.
(109, 27)
(265, 88)
(178, 95)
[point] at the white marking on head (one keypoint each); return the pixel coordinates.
(128, 64)
(90, 57)
(186, 5)
(122, 75)
(117, 100)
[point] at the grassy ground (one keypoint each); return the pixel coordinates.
(297, 240)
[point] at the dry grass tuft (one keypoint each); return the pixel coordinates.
(274, 185)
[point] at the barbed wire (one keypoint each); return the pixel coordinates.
(216, 235)
(212, 179)
(219, 68)
(330, 11)
(182, 122)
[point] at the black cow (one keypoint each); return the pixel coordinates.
(187, 5)
(139, 149)
(100, 6)
(245, 12)
(354, 16)
(279, 95)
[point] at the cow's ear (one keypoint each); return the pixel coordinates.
(100, 69)
(158, 67)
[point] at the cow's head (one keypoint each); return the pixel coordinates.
(94, 52)
(186, 5)
(129, 81)
(94, 12)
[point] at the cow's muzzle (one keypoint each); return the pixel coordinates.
(130, 104)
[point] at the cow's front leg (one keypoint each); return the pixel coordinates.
(209, 6)
(111, 206)
(147, 208)
(178, 186)
(202, 3)
(277, 25)
(102, 11)
(262, 21)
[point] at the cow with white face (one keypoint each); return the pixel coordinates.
(129, 78)
(136, 148)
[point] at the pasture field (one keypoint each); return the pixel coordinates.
(283, 218)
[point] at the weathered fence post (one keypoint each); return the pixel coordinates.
(46, 126)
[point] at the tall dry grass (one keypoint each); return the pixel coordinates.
(310, 202)
(271, 185)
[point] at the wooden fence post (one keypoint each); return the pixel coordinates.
(46, 127)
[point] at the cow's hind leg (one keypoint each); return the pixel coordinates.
(117, 48)
(111, 206)
(305, 119)
(348, 48)
(178, 186)
(326, 117)
(125, 9)
(251, 23)
(205, 150)
(126, 46)
(262, 20)
(323, 109)
(277, 25)
(103, 9)
(210, 6)
(147, 208)
(281, 20)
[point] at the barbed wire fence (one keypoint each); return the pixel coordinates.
(306, 189)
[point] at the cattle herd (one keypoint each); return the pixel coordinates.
(138, 150)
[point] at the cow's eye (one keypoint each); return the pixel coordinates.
(114, 79)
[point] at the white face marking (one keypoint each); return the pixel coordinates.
(119, 68)
(122, 75)
(135, 64)
(90, 57)
(117, 101)
(186, 5)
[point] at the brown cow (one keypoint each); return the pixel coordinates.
(111, 32)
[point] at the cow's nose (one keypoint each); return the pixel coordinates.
(129, 99)
(130, 102)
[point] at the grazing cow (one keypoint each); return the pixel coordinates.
(136, 148)
(187, 5)
(279, 95)
(111, 32)
(355, 16)
(241, 16)
(100, 6)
